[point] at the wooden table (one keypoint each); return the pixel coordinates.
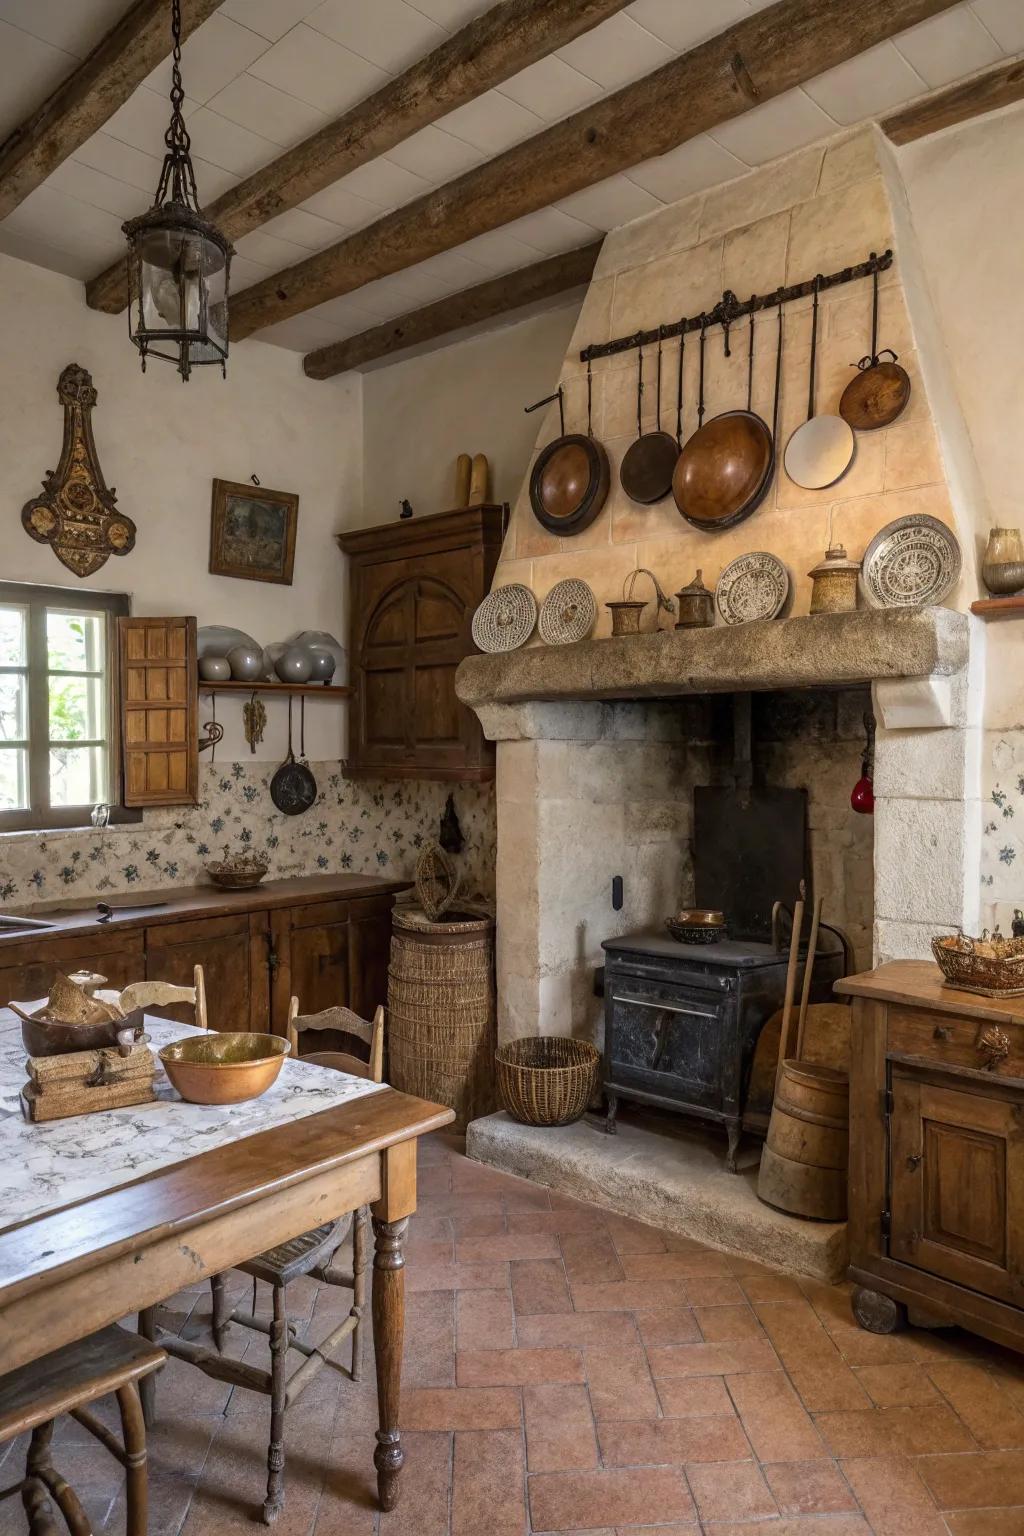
(74, 1269)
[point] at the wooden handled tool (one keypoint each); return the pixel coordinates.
(805, 994)
(791, 970)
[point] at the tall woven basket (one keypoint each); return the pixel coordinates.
(441, 1009)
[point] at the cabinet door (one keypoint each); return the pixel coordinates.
(227, 949)
(338, 955)
(26, 971)
(957, 1183)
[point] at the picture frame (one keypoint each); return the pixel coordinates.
(252, 532)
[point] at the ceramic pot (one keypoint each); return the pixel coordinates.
(295, 665)
(214, 669)
(246, 663)
(324, 665)
(1003, 566)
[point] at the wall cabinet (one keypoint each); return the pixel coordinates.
(413, 589)
(325, 939)
(936, 1153)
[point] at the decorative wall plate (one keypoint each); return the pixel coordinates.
(504, 620)
(77, 513)
(568, 613)
(910, 563)
(753, 586)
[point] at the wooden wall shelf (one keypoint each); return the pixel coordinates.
(321, 690)
(999, 607)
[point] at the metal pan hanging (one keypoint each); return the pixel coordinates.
(570, 477)
(726, 467)
(881, 390)
(646, 471)
(293, 787)
(820, 451)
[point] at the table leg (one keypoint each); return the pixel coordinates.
(388, 1334)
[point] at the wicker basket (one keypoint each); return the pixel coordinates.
(441, 1009)
(994, 966)
(546, 1079)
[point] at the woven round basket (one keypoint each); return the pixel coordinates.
(546, 1079)
(441, 1009)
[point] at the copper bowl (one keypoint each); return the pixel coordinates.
(698, 925)
(224, 1068)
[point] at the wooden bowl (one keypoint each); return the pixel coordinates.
(224, 1068)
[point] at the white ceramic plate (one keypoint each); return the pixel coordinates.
(568, 613)
(505, 619)
(753, 586)
(910, 563)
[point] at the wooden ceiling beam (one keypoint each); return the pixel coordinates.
(485, 301)
(986, 92)
(491, 48)
(757, 59)
(91, 95)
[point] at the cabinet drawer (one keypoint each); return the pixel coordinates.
(953, 1042)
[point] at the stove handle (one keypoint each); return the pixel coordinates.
(643, 1002)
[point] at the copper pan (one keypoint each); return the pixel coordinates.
(646, 471)
(725, 469)
(880, 391)
(570, 477)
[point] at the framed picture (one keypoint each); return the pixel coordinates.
(252, 532)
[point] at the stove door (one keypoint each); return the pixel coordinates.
(670, 1043)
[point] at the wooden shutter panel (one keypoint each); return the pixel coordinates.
(159, 711)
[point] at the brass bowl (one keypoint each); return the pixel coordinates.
(224, 1068)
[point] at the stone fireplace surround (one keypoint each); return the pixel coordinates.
(599, 746)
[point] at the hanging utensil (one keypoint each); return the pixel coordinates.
(880, 391)
(293, 787)
(303, 759)
(570, 477)
(724, 471)
(821, 450)
(646, 471)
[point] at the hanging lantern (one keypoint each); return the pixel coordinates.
(178, 262)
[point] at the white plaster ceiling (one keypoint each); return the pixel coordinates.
(261, 75)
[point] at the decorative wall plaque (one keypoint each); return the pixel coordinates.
(77, 514)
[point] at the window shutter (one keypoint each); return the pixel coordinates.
(159, 711)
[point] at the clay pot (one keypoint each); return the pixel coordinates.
(246, 662)
(295, 665)
(1003, 566)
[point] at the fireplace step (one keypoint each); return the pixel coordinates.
(669, 1174)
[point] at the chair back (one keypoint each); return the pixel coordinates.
(344, 1021)
(162, 994)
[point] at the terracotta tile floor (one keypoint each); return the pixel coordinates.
(568, 1370)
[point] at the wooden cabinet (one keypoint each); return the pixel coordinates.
(224, 947)
(414, 587)
(324, 939)
(159, 711)
(936, 1153)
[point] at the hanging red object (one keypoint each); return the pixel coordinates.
(862, 796)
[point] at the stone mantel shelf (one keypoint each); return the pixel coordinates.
(813, 651)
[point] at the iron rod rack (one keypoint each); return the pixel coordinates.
(729, 309)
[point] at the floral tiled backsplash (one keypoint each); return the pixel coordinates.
(357, 826)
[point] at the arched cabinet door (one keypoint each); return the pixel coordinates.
(414, 588)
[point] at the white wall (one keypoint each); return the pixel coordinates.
(966, 192)
(160, 444)
(420, 414)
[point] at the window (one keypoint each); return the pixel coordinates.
(59, 736)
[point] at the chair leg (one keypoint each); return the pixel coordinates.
(360, 1252)
(221, 1310)
(274, 1502)
(133, 1431)
(147, 1386)
(34, 1490)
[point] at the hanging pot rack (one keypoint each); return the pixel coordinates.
(729, 309)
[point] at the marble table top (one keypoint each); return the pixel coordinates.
(46, 1167)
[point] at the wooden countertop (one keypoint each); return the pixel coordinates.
(919, 984)
(78, 915)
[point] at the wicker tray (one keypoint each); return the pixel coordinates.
(546, 1079)
(992, 967)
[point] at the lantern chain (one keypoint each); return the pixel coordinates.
(177, 178)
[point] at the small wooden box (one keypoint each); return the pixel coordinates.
(84, 1082)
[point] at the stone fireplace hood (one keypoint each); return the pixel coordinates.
(813, 651)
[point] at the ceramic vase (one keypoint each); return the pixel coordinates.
(295, 665)
(246, 663)
(1003, 566)
(214, 669)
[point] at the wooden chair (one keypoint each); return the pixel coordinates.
(311, 1254)
(32, 1397)
(161, 994)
